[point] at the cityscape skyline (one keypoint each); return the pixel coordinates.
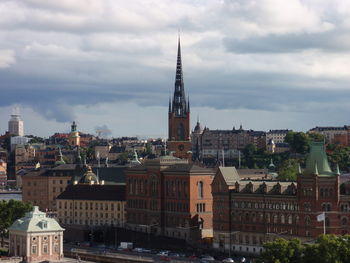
(75, 61)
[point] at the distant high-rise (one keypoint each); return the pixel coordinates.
(16, 124)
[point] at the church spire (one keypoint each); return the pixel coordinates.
(179, 105)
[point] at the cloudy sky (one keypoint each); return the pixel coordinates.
(265, 64)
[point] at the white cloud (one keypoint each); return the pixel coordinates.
(7, 58)
(115, 49)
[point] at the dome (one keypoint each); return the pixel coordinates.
(35, 221)
(198, 128)
(89, 177)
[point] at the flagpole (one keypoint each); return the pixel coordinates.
(324, 223)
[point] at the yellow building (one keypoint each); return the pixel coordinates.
(74, 137)
(90, 202)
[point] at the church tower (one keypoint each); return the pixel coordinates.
(179, 141)
(74, 138)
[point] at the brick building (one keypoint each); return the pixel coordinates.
(170, 197)
(247, 213)
(179, 140)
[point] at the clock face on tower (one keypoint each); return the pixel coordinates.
(181, 147)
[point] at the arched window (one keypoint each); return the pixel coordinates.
(283, 219)
(324, 207)
(321, 192)
(344, 221)
(307, 220)
(181, 132)
(290, 219)
(296, 219)
(329, 207)
(200, 189)
(275, 219)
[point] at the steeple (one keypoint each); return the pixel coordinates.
(179, 105)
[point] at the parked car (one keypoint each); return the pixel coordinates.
(207, 258)
(163, 253)
(228, 260)
(138, 249)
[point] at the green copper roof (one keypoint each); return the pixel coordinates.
(35, 221)
(316, 162)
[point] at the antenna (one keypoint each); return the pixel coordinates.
(239, 159)
(223, 158)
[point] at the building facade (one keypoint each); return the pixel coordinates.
(334, 135)
(15, 125)
(42, 186)
(248, 213)
(91, 203)
(170, 197)
(36, 237)
(215, 143)
(276, 135)
(179, 141)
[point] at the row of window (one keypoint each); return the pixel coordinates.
(92, 215)
(89, 205)
(91, 222)
(142, 186)
(269, 218)
(265, 205)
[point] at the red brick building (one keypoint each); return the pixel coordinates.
(169, 196)
(179, 140)
(247, 213)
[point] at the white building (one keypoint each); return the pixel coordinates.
(276, 135)
(36, 237)
(16, 124)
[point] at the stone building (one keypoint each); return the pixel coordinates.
(214, 143)
(339, 135)
(170, 197)
(90, 202)
(276, 135)
(36, 237)
(247, 213)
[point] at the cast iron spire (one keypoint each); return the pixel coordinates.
(179, 106)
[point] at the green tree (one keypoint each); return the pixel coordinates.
(288, 170)
(282, 251)
(298, 141)
(9, 212)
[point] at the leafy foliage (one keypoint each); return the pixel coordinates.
(326, 249)
(9, 212)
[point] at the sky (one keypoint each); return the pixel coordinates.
(267, 64)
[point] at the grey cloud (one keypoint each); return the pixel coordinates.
(330, 41)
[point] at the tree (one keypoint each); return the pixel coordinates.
(282, 251)
(326, 249)
(9, 212)
(288, 170)
(298, 141)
